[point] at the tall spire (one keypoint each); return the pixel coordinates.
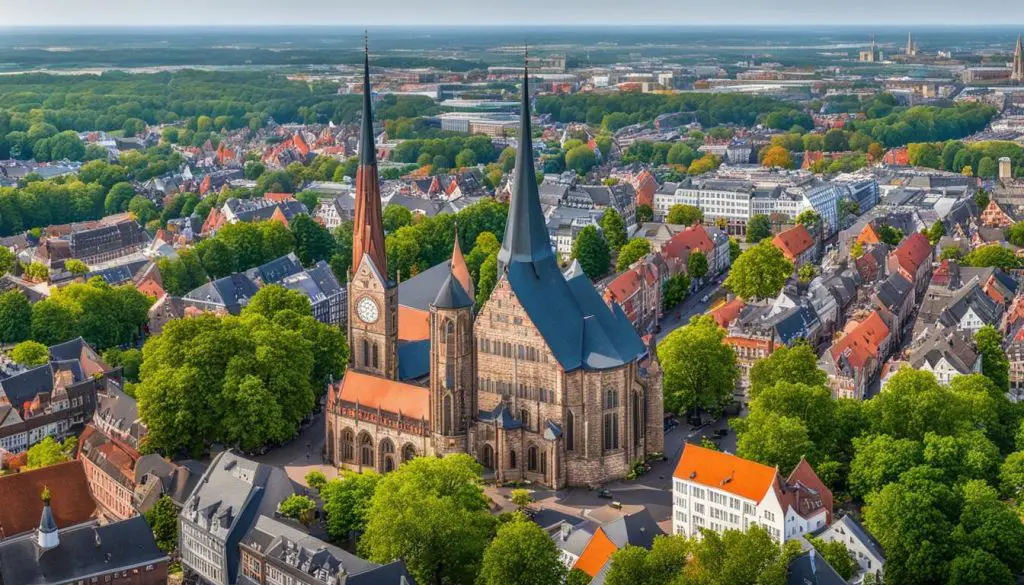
(459, 268)
(368, 225)
(47, 536)
(526, 234)
(1017, 74)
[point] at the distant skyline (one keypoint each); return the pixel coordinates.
(522, 13)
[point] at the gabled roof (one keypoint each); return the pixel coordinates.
(894, 291)
(371, 393)
(452, 295)
(944, 345)
(811, 568)
(970, 298)
(850, 524)
(862, 340)
(912, 252)
(742, 477)
(20, 493)
(793, 242)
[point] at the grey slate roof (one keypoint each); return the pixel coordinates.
(578, 538)
(421, 290)
(232, 292)
(367, 146)
(973, 298)
(502, 416)
(811, 568)
(452, 295)
(119, 274)
(850, 524)
(945, 344)
(84, 550)
(894, 290)
(638, 529)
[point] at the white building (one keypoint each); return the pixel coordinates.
(865, 549)
(717, 491)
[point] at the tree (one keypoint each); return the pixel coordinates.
(810, 219)
(15, 316)
(271, 299)
(432, 513)
(977, 566)
(992, 255)
(316, 480)
(994, 363)
(465, 158)
(773, 439)
(634, 565)
(297, 507)
(521, 498)
(76, 267)
(644, 213)
(521, 554)
(912, 403)
(1011, 476)
(836, 555)
(699, 369)
(118, 197)
(857, 250)
(30, 354)
(734, 250)
(758, 228)
(591, 250)
(578, 577)
(936, 232)
(129, 360)
(346, 503)
(739, 558)
(835, 141)
(488, 279)
(797, 364)
(990, 525)
(697, 264)
(142, 209)
(313, 242)
(636, 249)
(951, 253)
(676, 289)
(806, 273)
(890, 235)
(37, 271)
(777, 157)
(987, 168)
(7, 260)
(684, 215)
(760, 273)
(183, 274)
(880, 460)
(580, 159)
(163, 522)
(396, 216)
(614, 229)
(50, 452)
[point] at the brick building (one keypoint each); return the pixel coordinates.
(547, 383)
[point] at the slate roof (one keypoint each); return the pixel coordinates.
(119, 274)
(421, 290)
(84, 550)
(970, 297)
(501, 416)
(894, 291)
(231, 292)
(452, 295)
(413, 359)
(799, 322)
(851, 524)
(811, 568)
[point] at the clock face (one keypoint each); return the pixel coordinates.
(367, 310)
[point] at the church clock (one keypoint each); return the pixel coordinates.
(367, 310)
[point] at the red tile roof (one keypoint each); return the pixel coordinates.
(793, 242)
(722, 471)
(692, 238)
(392, 396)
(22, 504)
(912, 252)
(862, 340)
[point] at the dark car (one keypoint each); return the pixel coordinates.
(604, 493)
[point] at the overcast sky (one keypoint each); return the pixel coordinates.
(514, 12)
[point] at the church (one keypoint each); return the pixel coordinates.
(547, 383)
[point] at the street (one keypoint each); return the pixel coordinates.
(690, 306)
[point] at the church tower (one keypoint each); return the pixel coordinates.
(1017, 74)
(372, 295)
(453, 361)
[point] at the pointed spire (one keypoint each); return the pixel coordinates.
(526, 234)
(1017, 74)
(459, 268)
(47, 536)
(368, 224)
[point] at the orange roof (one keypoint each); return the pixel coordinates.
(626, 284)
(793, 242)
(279, 197)
(692, 238)
(722, 471)
(413, 324)
(862, 339)
(21, 493)
(869, 235)
(725, 314)
(390, 395)
(803, 473)
(597, 553)
(460, 269)
(912, 252)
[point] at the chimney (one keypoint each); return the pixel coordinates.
(46, 536)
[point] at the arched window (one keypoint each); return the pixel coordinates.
(376, 362)
(366, 450)
(544, 462)
(366, 353)
(446, 414)
(524, 416)
(531, 458)
(386, 446)
(449, 337)
(611, 398)
(408, 453)
(511, 459)
(348, 449)
(611, 431)
(638, 425)
(570, 427)
(488, 457)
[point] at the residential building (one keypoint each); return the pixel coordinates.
(759, 330)
(333, 212)
(52, 400)
(712, 490)
(913, 259)
(855, 359)
(506, 385)
(797, 245)
(896, 295)
(994, 216)
(810, 568)
(93, 242)
(594, 558)
(275, 553)
(945, 353)
(121, 553)
(638, 292)
(564, 225)
(72, 503)
(229, 498)
(866, 551)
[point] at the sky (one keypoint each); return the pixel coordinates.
(504, 12)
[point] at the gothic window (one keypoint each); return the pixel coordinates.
(366, 353)
(524, 416)
(638, 427)
(611, 398)
(544, 462)
(348, 452)
(512, 460)
(449, 337)
(366, 450)
(531, 458)
(408, 453)
(446, 414)
(570, 427)
(376, 361)
(611, 431)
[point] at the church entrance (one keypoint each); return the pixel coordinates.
(488, 457)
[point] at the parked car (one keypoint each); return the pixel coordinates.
(604, 493)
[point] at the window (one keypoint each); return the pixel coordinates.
(531, 458)
(512, 460)
(611, 398)
(544, 462)
(347, 446)
(637, 422)
(611, 432)
(698, 508)
(366, 450)
(570, 440)
(524, 417)
(697, 492)
(376, 363)
(366, 353)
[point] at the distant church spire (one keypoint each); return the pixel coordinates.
(368, 225)
(1018, 63)
(526, 235)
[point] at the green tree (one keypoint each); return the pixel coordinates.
(987, 168)
(54, 322)
(580, 159)
(697, 264)
(346, 503)
(578, 577)
(433, 514)
(977, 566)
(271, 299)
(990, 525)
(485, 245)
(521, 554)
(488, 279)
(699, 369)
(644, 213)
(806, 273)
(614, 229)
(591, 250)
(951, 253)
(994, 363)
(992, 255)
(739, 558)
(759, 273)
(76, 267)
(684, 215)
(1011, 476)
(734, 250)
(30, 354)
(129, 360)
(316, 480)
(7, 260)
(879, 460)
(183, 274)
(837, 556)
(297, 507)
(936, 232)
(118, 197)
(142, 209)
(465, 158)
(163, 522)
(675, 290)
(15, 317)
(912, 403)
(313, 242)
(797, 364)
(521, 498)
(773, 439)
(395, 217)
(759, 227)
(37, 271)
(664, 563)
(636, 249)
(50, 452)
